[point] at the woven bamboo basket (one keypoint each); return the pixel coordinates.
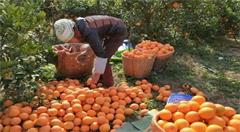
(74, 60)
(161, 61)
(139, 68)
(154, 125)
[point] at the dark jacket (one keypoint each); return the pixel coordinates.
(94, 29)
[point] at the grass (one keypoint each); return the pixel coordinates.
(213, 68)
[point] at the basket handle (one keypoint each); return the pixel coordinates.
(81, 57)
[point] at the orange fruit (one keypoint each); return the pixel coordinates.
(13, 111)
(56, 122)
(120, 110)
(218, 121)
(87, 120)
(181, 123)
(75, 101)
(235, 123)
(117, 122)
(77, 121)
(56, 105)
(16, 128)
(128, 100)
(206, 113)
(68, 125)
(61, 112)
(81, 97)
(198, 126)
(161, 123)
(24, 116)
(120, 116)
(177, 115)
(86, 107)
(69, 117)
(167, 93)
(6, 129)
(194, 90)
(194, 106)
(199, 99)
(104, 128)
(134, 106)
(1, 127)
(225, 118)
(110, 116)
(137, 100)
(220, 109)
(229, 111)
(112, 111)
(91, 113)
(187, 129)
(28, 124)
(128, 111)
(94, 126)
(96, 107)
(192, 116)
(69, 97)
(230, 129)
(101, 120)
(99, 100)
(76, 107)
(89, 100)
(32, 130)
(237, 116)
(6, 121)
(42, 121)
(56, 129)
(8, 103)
(15, 120)
(85, 128)
(115, 105)
(46, 128)
(107, 104)
(33, 117)
(65, 104)
(52, 112)
(26, 109)
(208, 104)
(143, 112)
(101, 114)
(170, 127)
(171, 107)
(165, 114)
(214, 128)
(183, 107)
(81, 114)
(105, 109)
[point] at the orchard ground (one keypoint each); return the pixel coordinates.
(214, 69)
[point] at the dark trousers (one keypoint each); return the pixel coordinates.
(111, 45)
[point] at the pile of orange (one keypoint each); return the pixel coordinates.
(155, 47)
(69, 105)
(138, 54)
(198, 115)
(163, 92)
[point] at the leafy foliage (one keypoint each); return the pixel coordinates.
(24, 47)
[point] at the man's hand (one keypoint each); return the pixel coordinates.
(95, 77)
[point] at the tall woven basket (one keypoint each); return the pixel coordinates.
(161, 61)
(139, 68)
(74, 59)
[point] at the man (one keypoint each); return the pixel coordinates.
(104, 34)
